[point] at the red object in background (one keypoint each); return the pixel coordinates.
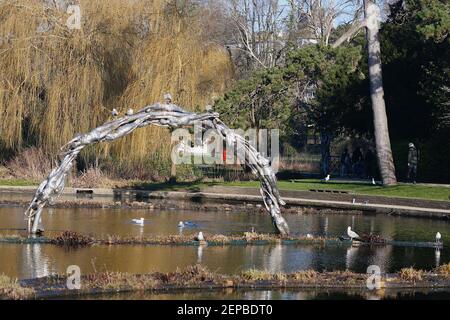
(224, 156)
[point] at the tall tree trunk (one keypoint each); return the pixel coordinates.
(325, 144)
(383, 143)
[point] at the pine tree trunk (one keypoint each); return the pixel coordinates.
(383, 143)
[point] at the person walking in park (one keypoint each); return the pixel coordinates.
(413, 160)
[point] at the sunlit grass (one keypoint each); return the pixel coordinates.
(17, 183)
(401, 190)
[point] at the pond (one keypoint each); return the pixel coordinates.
(35, 260)
(282, 294)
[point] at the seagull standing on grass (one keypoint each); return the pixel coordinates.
(138, 221)
(168, 98)
(438, 237)
(352, 234)
(200, 237)
(327, 178)
(373, 181)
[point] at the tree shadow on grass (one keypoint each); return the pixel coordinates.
(191, 186)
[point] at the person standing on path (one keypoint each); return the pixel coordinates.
(413, 160)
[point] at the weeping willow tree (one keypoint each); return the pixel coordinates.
(56, 81)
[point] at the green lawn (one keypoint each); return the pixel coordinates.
(401, 190)
(17, 183)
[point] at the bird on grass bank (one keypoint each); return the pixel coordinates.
(352, 234)
(199, 237)
(327, 178)
(168, 98)
(138, 221)
(114, 112)
(438, 238)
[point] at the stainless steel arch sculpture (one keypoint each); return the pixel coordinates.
(166, 115)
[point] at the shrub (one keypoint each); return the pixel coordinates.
(411, 274)
(32, 163)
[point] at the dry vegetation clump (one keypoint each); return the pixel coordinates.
(92, 177)
(411, 274)
(257, 275)
(11, 289)
(72, 239)
(306, 276)
(5, 173)
(444, 270)
(111, 239)
(347, 277)
(372, 238)
(160, 240)
(254, 236)
(190, 276)
(56, 82)
(31, 163)
(118, 281)
(219, 238)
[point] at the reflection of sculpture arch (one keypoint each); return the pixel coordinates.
(165, 115)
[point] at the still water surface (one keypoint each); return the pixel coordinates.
(362, 294)
(34, 260)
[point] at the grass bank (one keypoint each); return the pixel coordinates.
(401, 190)
(74, 239)
(199, 277)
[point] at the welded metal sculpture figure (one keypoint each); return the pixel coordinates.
(165, 115)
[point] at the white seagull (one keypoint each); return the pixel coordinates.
(352, 234)
(130, 112)
(168, 98)
(438, 237)
(373, 181)
(138, 221)
(200, 237)
(327, 178)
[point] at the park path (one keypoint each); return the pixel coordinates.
(365, 203)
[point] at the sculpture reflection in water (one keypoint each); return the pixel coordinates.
(165, 115)
(36, 262)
